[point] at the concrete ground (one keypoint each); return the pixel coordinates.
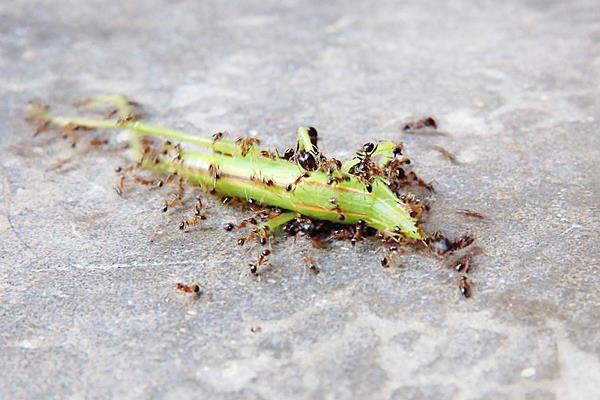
(87, 301)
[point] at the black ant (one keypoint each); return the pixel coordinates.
(307, 161)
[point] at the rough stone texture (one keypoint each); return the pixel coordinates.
(87, 306)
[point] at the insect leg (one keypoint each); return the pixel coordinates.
(41, 114)
(122, 104)
(278, 221)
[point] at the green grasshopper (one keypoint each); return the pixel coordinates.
(302, 182)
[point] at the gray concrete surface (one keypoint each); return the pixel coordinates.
(87, 306)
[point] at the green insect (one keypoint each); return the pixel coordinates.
(302, 182)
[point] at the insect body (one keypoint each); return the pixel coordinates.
(360, 186)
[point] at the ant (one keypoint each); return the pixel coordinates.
(132, 116)
(463, 264)
(446, 154)
(471, 213)
(261, 260)
(422, 123)
(196, 218)
(365, 169)
(330, 166)
(98, 142)
(246, 143)
(144, 181)
(296, 182)
(268, 182)
(217, 136)
(359, 231)
(120, 185)
(71, 130)
(310, 264)
(464, 284)
(176, 198)
(268, 154)
(193, 289)
(337, 209)
(387, 260)
(214, 172)
(441, 245)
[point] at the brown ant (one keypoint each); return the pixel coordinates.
(214, 172)
(268, 154)
(144, 181)
(296, 182)
(310, 264)
(98, 142)
(261, 260)
(168, 180)
(268, 182)
(178, 152)
(422, 123)
(196, 218)
(441, 245)
(337, 209)
(193, 288)
(132, 116)
(246, 143)
(471, 213)
(389, 258)
(330, 166)
(217, 136)
(359, 231)
(446, 154)
(463, 264)
(464, 284)
(120, 185)
(175, 198)
(71, 130)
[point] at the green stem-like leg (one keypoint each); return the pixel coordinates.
(278, 221)
(122, 104)
(222, 146)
